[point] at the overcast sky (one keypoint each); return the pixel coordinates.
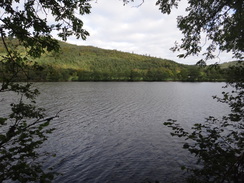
(141, 30)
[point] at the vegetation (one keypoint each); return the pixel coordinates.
(25, 33)
(217, 143)
(219, 23)
(87, 63)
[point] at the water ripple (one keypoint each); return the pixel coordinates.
(114, 132)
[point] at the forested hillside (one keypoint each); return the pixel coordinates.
(87, 63)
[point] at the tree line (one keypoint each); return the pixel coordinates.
(87, 63)
(48, 73)
(217, 143)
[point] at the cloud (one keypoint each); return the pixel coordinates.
(142, 30)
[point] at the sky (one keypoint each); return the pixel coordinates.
(142, 30)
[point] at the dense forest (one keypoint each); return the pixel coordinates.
(88, 63)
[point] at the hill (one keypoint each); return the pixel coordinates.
(91, 63)
(228, 64)
(88, 63)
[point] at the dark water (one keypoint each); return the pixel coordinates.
(114, 132)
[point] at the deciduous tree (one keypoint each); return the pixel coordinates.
(30, 25)
(217, 143)
(216, 24)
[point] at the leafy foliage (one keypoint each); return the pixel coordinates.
(214, 26)
(217, 23)
(218, 143)
(29, 27)
(220, 22)
(25, 31)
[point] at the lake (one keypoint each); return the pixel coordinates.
(113, 132)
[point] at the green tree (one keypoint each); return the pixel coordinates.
(220, 23)
(26, 29)
(194, 73)
(217, 143)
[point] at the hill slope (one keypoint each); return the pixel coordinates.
(87, 63)
(91, 63)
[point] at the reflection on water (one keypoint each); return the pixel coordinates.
(114, 132)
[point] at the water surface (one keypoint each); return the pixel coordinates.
(114, 132)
